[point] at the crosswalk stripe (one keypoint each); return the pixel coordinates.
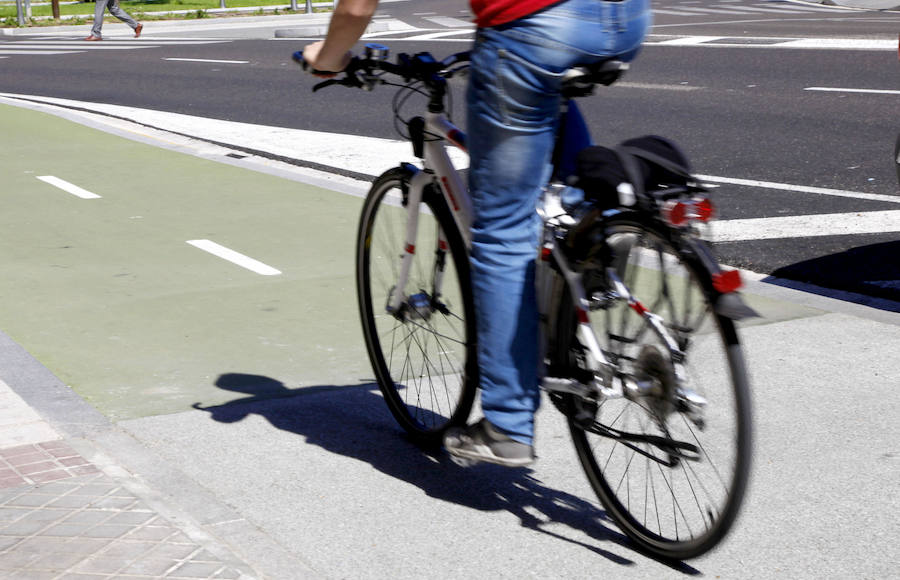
(712, 10)
(69, 45)
(672, 12)
(803, 226)
(61, 45)
(449, 22)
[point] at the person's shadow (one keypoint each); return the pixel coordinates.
(354, 421)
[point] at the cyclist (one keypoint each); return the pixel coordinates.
(521, 49)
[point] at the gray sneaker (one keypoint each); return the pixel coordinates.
(482, 441)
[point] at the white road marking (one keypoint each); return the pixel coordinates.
(71, 45)
(435, 35)
(38, 52)
(774, 42)
(234, 257)
(209, 60)
(801, 226)
(450, 22)
(654, 86)
(68, 187)
(672, 12)
(712, 10)
(688, 40)
(844, 90)
(841, 43)
(801, 188)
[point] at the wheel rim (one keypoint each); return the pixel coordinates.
(420, 354)
(669, 503)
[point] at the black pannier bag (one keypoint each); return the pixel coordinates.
(617, 176)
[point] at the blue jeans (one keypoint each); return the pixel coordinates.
(513, 110)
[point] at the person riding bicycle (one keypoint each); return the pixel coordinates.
(521, 49)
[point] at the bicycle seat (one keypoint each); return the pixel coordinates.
(580, 81)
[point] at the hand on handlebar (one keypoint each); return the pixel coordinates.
(323, 67)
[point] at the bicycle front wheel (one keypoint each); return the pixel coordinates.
(423, 353)
(671, 476)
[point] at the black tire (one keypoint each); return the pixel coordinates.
(681, 510)
(423, 358)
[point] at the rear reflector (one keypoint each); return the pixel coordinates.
(725, 282)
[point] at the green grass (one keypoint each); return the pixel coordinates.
(137, 8)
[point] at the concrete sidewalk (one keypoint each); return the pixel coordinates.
(242, 23)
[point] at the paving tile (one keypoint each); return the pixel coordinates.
(23, 528)
(37, 467)
(128, 550)
(67, 530)
(58, 448)
(73, 461)
(228, 573)
(59, 561)
(72, 501)
(9, 514)
(96, 489)
(100, 565)
(131, 518)
(8, 542)
(47, 515)
(152, 566)
(174, 551)
(26, 458)
(42, 544)
(158, 533)
(89, 517)
(16, 451)
(11, 481)
(48, 476)
(106, 531)
(196, 570)
(85, 546)
(29, 499)
(114, 503)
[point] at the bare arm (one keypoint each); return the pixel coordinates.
(348, 23)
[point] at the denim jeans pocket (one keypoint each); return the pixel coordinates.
(529, 94)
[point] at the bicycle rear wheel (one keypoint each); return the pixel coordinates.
(423, 354)
(675, 502)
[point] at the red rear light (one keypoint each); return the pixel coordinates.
(725, 282)
(679, 212)
(703, 209)
(675, 212)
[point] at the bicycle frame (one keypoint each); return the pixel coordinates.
(437, 168)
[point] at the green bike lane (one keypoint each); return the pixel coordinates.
(108, 294)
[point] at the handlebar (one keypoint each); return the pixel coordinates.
(363, 72)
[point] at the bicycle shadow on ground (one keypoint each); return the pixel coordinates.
(353, 421)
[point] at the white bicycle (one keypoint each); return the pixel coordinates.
(640, 347)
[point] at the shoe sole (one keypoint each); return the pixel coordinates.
(468, 458)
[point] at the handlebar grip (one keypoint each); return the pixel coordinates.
(298, 58)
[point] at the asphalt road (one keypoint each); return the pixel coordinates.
(741, 112)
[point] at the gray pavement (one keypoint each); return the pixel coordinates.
(321, 483)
